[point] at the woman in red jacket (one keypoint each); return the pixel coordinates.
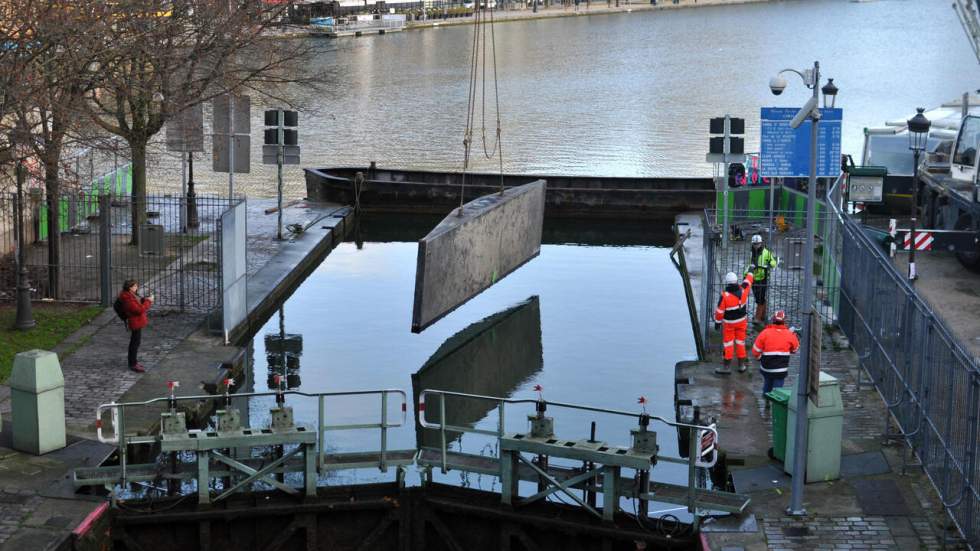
(135, 308)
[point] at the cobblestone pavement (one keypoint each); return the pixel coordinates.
(97, 373)
(850, 533)
(836, 518)
(15, 507)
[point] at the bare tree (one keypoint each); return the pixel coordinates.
(171, 55)
(55, 49)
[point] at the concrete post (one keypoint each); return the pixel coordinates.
(37, 393)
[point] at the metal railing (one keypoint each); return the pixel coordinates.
(703, 439)
(930, 384)
(179, 263)
(117, 414)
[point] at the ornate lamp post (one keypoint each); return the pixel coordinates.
(918, 136)
(811, 112)
(25, 316)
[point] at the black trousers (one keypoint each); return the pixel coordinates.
(759, 290)
(134, 345)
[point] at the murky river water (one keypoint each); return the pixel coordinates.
(591, 324)
(617, 95)
(621, 95)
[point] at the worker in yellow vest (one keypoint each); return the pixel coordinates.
(762, 264)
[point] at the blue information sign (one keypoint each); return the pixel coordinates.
(786, 152)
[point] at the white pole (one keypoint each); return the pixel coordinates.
(892, 231)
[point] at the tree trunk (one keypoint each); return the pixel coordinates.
(138, 151)
(52, 188)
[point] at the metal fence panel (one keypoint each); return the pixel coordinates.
(180, 265)
(929, 383)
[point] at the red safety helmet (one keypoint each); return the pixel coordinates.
(779, 317)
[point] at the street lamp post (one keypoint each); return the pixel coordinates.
(25, 317)
(918, 135)
(811, 111)
(192, 220)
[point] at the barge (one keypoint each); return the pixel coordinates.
(429, 192)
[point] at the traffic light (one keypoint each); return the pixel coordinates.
(272, 133)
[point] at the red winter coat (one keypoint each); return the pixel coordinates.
(135, 309)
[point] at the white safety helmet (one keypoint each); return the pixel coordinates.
(756, 239)
(731, 278)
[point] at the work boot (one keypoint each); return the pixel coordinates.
(760, 315)
(725, 369)
(743, 364)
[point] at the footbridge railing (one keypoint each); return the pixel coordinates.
(230, 444)
(228, 456)
(602, 463)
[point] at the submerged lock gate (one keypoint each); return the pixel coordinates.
(230, 486)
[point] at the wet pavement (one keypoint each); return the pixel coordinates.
(841, 514)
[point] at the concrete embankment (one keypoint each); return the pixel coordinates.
(526, 13)
(590, 8)
(880, 501)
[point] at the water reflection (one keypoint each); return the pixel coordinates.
(282, 353)
(493, 357)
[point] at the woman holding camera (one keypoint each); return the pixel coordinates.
(135, 308)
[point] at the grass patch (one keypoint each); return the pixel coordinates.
(55, 322)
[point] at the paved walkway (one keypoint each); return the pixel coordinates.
(882, 501)
(38, 506)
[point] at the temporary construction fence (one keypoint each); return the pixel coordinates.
(928, 381)
(783, 230)
(177, 262)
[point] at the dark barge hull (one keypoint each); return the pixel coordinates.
(419, 191)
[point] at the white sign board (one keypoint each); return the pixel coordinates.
(233, 280)
(865, 189)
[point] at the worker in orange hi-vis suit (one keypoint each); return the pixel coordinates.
(731, 315)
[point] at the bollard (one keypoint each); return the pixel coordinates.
(37, 393)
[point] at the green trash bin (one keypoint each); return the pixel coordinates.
(779, 398)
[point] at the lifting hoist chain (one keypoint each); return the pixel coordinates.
(478, 75)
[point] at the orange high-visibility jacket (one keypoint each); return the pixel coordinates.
(774, 345)
(731, 307)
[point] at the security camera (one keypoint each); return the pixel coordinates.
(809, 111)
(777, 84)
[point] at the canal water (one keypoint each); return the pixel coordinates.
(592, 323)
(612, 95)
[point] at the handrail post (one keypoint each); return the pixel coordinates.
(384, 430)
(321, 434)
(122, 443)
(694, 449)
(500, 420)
(442, 428)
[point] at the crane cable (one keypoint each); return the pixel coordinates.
(478, 75)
